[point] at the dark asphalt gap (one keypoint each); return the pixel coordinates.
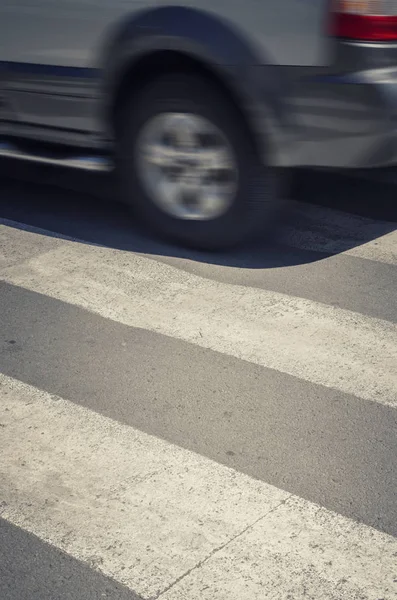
(330, 448)
(30, 569)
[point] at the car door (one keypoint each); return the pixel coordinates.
(46, 50)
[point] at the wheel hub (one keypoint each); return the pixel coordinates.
(187, 166)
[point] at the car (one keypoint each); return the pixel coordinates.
(200, 109)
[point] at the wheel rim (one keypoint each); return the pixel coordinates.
(186, 166)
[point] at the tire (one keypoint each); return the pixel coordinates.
(254, 200)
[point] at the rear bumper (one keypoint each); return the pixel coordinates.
(345, 121)
(345, 116)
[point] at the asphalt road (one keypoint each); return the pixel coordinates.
(186, 425)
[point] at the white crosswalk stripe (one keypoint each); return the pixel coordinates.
(156, 517)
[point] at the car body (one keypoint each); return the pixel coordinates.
(298, 90)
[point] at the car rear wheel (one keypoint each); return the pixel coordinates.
(188, 166)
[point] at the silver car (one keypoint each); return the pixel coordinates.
(199, 108)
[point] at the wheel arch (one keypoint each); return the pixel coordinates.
(179, 38)
(159, 62)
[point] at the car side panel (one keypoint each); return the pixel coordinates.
(71, 32)
(53, 97)
(77, 98)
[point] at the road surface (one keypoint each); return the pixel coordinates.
(188, 426)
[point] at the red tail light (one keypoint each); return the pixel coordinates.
(365, 20)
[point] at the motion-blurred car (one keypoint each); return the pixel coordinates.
(199, 107)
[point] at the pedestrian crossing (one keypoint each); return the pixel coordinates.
(321, 344)
(155, 516)
(164, 521)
